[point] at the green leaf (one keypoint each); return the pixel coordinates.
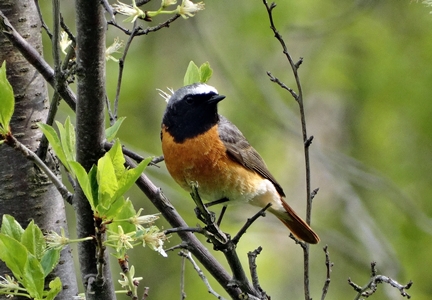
(54, 140)
(130, 176)
(67, 139)
(115, 207)
(24, 266)
(49, 260)
(33, 277)
(111, 132)
(205, 72)
(126, 211)
(7, 101)
(11, 228)
(192, 74)
(14, 255)
(107, 182)
(118, 160)
(83, 181)
(33, 240)
(55, 286)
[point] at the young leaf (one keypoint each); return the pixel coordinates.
(7, 101)
(83, 181)
(13, 254)
(94, 186)
(11, 227)
(70, 139)
(55, 143)
(192, 74)
(49, 260)
(55, 288)
(111, 132)
(107, 182)
(33, 240)
(130, 176)
(33, 277)
(205, 72)
(117, 158)
(66, 135)
(126, 211)
(115, 206)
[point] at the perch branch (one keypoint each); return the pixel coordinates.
(187, 255)
(329, 266)
(371, 287)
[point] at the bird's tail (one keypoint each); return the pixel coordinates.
(296, 224)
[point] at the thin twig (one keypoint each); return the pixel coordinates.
(190, 241)
(188, 256)
(65, 27)
(44, 25)
(182, 277)
(221, 215)
(35, 59)
(146, 31)
(249, 222)
(121, 67)
(252, 255)
(108, 8)
(208, 218)
(55, 44)
(30, 155)
(135, 156)
(298, 97)
(183, 229)
(223, 243)
(329, 266)
(145, 293)
(371, 287)
(314, 193)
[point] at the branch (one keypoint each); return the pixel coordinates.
(298, 97)
(329, 266)
(253, 270)
(121, 67)
(188, 256)
(224, 243)
(90, 135)
(371, 287)
(10, 140)
(191, 242)
(249, 222)
(146, 31)
(35, 59)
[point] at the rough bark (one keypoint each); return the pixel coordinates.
(25, 192)
(90, 124)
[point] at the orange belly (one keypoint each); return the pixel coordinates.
(203, 159)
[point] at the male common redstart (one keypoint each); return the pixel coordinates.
(199, 145)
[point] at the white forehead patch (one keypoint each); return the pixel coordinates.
(204, 89)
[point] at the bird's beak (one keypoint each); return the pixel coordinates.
(216, 98)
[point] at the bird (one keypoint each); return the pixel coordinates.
(200, 145)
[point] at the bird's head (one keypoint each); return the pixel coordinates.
(191, 110)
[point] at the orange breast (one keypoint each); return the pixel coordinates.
(203, 159)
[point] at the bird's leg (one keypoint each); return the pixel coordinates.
(206, 216)
(223, 200)
(222, 213)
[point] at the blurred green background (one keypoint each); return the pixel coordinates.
(366, 76)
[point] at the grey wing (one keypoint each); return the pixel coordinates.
(239, 149)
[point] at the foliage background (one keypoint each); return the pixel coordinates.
(366, 77)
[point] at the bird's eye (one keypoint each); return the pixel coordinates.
(189, 100)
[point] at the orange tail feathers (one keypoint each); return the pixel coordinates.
(296, 224)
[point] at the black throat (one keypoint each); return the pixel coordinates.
(181, 129)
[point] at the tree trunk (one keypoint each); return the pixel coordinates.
(90, 135)
(25, 192)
